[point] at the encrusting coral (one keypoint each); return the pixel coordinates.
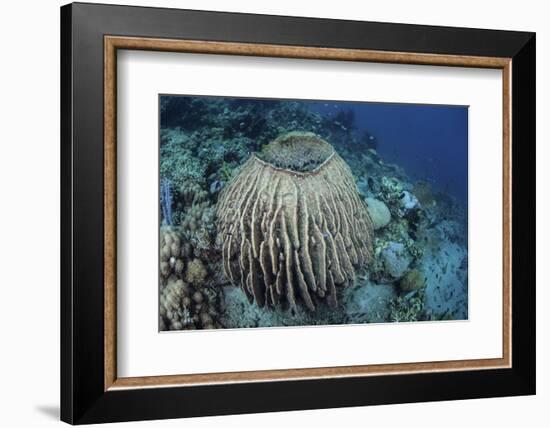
(292, 225)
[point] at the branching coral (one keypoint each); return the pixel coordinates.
(379, 213)
(185, 301)
(292, 224)
(179, 163)
(195, 217)
(413, 280)
(424, 192)
(190, 193)
(184, 307)
(407, 309)
(197, 225)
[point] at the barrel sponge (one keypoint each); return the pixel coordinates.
(297, 151)
(292, 225)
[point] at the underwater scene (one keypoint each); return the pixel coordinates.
(278, 212)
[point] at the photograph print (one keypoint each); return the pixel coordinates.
(286, 212)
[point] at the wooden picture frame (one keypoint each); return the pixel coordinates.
(91, 390)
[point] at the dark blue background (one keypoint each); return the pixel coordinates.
(429, 141)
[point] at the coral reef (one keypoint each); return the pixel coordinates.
(297, 152)
(369, 302)
(293, 234)
(413, 280)
(198, 225)
(185, 301)
(237, 311)
(396, 259)
(184, 307)
(407, 308)
(446, 271)
(408, 200)
(417, 241)
(191, 193)
(173, 252)
(166, 202)
(379, 213)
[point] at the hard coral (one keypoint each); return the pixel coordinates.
(296, 151)
(196, 272)
(396, 259)
(182, 307)
(379, 213)
(173, 251)
(185, 300)
(292, 224)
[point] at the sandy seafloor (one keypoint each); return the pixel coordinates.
(419, 271)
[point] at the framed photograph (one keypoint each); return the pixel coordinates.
(266, 213)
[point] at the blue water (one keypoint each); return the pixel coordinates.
(429, 141)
